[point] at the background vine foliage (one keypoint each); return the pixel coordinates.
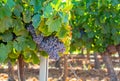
(95, 24)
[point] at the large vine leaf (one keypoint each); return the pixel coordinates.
(30, 56)
(5, 11)
(36, 20)
(27, 16)
(5, 24)
(62, 33)
(23, 44)
(48, 11)
(10, 3)
(53, 24)
(7, 36)
(18, 10)
(4, 51)
(35, 59)
(31, 44)
(18, 28)
(37, 4)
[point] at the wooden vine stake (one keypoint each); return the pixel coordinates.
(43, 69)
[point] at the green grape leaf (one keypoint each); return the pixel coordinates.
(31, 44)
(21, 39)
(37, 4)
(27, 16)
(109, 1)
(10, 3)
(19, 44)
(5, 24)
(27, 56)
(35, 59)
(105, 29)
(62, 33)
(47, 11)
(53, 24)
(5, 1)
(13, 56)
(116, 39)
(16, 46)
(43, 53)
(22, 44)
(4, 51)
(36, 20)
(5, 11)
(115, 2)
(18, 28)
(91, 34)
(7, 36)
(44, 30)
(64, 17)
(17, 10)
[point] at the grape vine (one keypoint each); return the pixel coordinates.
(47, 17)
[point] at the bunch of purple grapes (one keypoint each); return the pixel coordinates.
(50, 44)
(37, 39)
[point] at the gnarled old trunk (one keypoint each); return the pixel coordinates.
(109, 66)
(21, 68)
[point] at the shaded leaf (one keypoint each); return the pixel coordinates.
(4, 51)
(18, 10)
(27, 16)
(5, 11)
(36, 20)
(5, 24)
(10, 3)
(7, 36)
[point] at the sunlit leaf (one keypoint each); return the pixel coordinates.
(53, 24)
(48, 11)
(35, 58)
(62, 33)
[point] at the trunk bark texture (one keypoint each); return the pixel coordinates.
(21, 68)
(109, 66)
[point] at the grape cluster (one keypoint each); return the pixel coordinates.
(50, 44)
(38, 39)
(82, 32)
